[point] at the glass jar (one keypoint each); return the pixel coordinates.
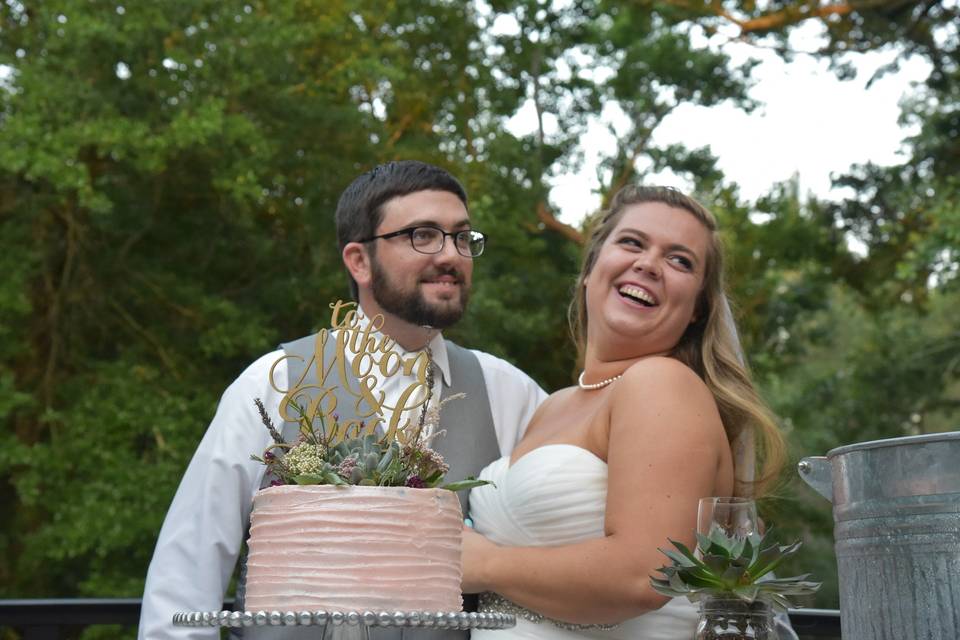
(725, 618)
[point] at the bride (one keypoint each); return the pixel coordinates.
(610, 469)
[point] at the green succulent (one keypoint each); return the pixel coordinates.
(359, 461)
(731, 566)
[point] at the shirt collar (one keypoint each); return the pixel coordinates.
(438, 348)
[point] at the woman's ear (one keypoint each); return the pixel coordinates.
(357, 261)
(699, 309)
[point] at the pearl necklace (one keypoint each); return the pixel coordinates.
(596, 385)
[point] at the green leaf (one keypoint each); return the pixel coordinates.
(387, 458)
(731, 576)
(703, 542)
(779, 602)
(782, 553)
(331, 477)
(690, 555)
(310, 478)
(679, 558)
(467, 483)
(747, 592)
(434, 477)
(716, 564)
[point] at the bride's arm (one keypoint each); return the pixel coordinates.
(665, 446)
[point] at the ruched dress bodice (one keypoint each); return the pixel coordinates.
(555, 495)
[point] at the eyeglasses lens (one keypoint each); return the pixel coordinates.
(427, 239)
(469, 243)
(430, 240)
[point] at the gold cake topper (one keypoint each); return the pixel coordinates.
(373, 359)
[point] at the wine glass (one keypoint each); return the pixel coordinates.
(734, 516)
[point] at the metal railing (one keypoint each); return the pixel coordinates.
(51, 619)
(820, 624)
(54, 619)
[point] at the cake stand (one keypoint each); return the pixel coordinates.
(348, 625)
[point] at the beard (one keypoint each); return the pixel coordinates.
(411, 306)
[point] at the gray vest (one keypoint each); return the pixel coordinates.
(469, 444)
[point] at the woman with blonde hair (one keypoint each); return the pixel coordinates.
(609, 469)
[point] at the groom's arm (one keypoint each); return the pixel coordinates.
(202, 533)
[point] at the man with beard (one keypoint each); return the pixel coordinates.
(408, 246)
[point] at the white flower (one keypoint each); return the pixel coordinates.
(305, 458)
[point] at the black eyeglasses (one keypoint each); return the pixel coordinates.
(468, 242)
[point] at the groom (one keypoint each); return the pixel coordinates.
(408, 246)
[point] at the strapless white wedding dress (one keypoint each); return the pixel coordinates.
(556, 495)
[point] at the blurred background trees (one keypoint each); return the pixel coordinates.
(169, 172)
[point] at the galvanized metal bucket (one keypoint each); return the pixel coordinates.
(896, 511)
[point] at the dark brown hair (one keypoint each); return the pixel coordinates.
(360, 208)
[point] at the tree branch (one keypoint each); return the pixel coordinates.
(629, 167)
(57, 293)
(625, 173)
(789, 15)
(535, 73)
(402, 127)
(784, 17)
(147, 337)
(548, 218)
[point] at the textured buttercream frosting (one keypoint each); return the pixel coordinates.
(321, 547)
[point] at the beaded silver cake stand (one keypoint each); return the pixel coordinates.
(348, 625)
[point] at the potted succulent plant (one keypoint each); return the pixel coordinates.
(731, 577)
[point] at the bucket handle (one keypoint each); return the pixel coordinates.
(815, 471)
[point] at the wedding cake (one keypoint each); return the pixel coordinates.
(354, 548)
(360, 518)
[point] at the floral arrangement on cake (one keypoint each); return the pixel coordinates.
(328, 452)
(366, 460)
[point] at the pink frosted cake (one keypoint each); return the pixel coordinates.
(321, 547)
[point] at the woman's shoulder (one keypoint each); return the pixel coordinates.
(558, 398)
(662, 371)
(666, 388)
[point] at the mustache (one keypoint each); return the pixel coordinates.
(449, 271)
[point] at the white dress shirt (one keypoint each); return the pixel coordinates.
(202, 533)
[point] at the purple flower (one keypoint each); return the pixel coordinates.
(346, 467)
(415, 482)
(276, 483)
(269, 456)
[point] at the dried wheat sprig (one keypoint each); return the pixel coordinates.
(431, 380)
(268, 423)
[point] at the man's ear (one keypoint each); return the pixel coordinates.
(357, 261)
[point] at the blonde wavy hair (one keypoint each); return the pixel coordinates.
(709, 346)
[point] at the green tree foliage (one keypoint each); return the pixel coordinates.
(842, 350)
(168, 176)
(169, 171)
(852, 345)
